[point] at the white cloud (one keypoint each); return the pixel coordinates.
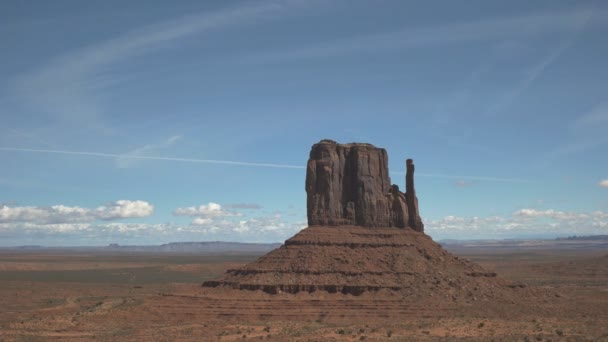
(213, 220)
(89, 230)
(201, 221)
(253, 206)
(210, 210)
(124, 209)
(270, 228)
(604, 183)
(58, 214)
(62, 225)
(252, 230)
(521, 223)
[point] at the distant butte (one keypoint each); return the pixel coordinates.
(364, 236)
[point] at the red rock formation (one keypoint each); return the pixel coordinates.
(355, 243)
(348, 184)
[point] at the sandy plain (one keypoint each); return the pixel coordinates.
(81, 296)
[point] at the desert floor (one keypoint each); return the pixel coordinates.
(75, 296)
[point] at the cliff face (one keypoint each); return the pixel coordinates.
(348, 184)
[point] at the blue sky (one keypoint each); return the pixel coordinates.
(148, 122)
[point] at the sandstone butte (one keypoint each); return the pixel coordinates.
(364, 237)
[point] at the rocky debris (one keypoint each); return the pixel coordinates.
(349, 184)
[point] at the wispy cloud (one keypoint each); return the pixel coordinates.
(126, 161)
(244, 163)
(185, 160)
(579, 23)
(476, 178)
(68, 86)
(526, 26)
(597, 116)
(587, 132)
(604, 183)
(459, 178)
(575, 146)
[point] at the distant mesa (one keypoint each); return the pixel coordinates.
(364, 236)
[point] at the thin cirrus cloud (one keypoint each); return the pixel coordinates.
(530, 76)
(598, 115)
(604, 183)
(125, 161)
(242, 163)
(586, 132)
(84, 72)
(469, 179)
(140, 157)
(60, 214)
(528, 26)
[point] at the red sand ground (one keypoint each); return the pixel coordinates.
(565, 300)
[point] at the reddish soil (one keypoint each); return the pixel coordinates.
(566, 300)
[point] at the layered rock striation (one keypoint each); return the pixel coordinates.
(354, 260)
(349, 185)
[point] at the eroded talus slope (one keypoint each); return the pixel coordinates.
(354, 260)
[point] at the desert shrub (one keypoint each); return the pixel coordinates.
(559, 332)
(480, 325)
(389, 333)
(267, 328)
